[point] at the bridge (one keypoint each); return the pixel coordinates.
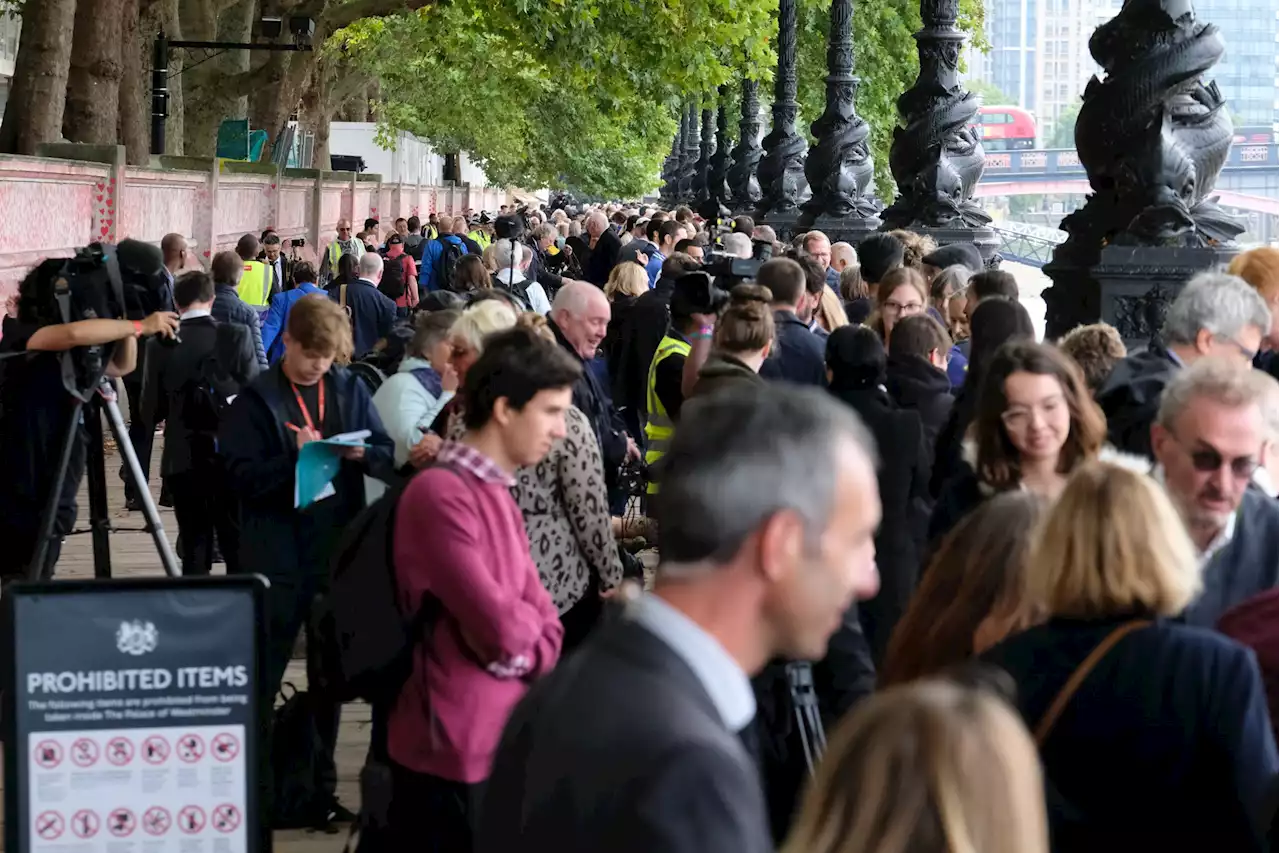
(1249, 180)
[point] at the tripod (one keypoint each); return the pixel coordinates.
(805, 704)
(90, 406)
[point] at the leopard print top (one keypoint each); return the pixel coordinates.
(566, 513)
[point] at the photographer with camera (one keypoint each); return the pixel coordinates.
(36, 408)
(694, 305)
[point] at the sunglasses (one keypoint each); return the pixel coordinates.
(1207, 460)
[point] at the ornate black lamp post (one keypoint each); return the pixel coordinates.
(712, 206)
(701, 182)
(936, 158)
(839, 168)
(671, 169)
(692, 152)
(744, 189)
(781, 174)
(1152, 138)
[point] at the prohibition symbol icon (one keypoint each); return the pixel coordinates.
(226, 818)
(48, 754)
(85, 824)
(49, 825)
(84, 752)
(225, 747)
(191, 819)
(119, 751)
(155, 750)
(156, 821)
(190, 748)
(121, 822)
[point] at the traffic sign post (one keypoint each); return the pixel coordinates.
(143, 724)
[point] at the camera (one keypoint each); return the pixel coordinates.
(729, 270)
(114, 282)
(761, 250)
(508, 227)
(298, 242)
(698, 293)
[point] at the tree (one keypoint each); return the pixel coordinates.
(990, 93)
(92, 111)
(1064, 130)
(33, 113)
(583, 95)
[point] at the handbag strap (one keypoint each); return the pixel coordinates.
(1080, 674)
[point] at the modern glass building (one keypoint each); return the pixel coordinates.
(1249, 73)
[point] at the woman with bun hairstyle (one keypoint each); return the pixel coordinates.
(743, 338)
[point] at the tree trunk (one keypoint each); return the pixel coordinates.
(207, 96)
(142, 17)
(33, 113)
(93, 86)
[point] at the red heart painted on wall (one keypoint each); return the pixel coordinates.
(109, 221)
(104, 230)
(273, 186)
(110, 202)
(206, 253)
(99, 197)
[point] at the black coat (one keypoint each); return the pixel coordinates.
(638, 340)
(229, 308)
(538, 271)
(798, 354)
(915, 384)
(1166, 746)
(620, 749)
(1244, 566)
(170, 368)
(593, 400)
(1130, 398)
(619, 312)
(372, 314)
(603, 258)
(260, 455)
(904, 496)
(721, 371)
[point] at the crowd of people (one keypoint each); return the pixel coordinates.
(1029, 588)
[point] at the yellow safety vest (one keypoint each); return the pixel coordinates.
(659, 428)
(335, 252)
(482, 239)
(255, 283)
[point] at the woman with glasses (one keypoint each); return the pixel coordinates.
(1035, 423)
(902, 293)
(1154, 734)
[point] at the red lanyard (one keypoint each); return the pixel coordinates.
(303, 406)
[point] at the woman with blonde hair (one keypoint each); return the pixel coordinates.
(931, 767)
(1154, 735)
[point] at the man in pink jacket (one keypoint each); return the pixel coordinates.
(460, 538)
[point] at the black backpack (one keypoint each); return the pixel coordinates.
(363, 643)
(205, 396)
(413, 246)
(519, 292)
(392, 284)
(450, 255)
(299, 764)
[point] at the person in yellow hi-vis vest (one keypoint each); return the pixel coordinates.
(659, 427)
(344, 244)
(257, 280)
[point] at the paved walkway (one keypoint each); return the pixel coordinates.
(133, 554)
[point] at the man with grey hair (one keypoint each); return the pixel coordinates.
(637, 743)
(1209, 439)
(372, 313)
(603, 248)
(738, 245)
(513, 258)
(1216, 314)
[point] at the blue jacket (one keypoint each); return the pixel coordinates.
(431, 259)
(1167, 745)
(798, 356)
(229, 308)
(372, 313)
(277, 316)
(1243, 567)
(261, 453)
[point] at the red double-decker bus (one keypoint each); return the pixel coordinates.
(1005, 128)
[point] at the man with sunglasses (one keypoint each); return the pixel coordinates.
(1216, 314)
(343, 244)
(1209, 439)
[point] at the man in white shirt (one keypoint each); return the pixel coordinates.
(512, 258)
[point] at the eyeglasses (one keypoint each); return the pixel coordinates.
(1207, 459)
(892, 307)
(1019, 418)
(1249, 354)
